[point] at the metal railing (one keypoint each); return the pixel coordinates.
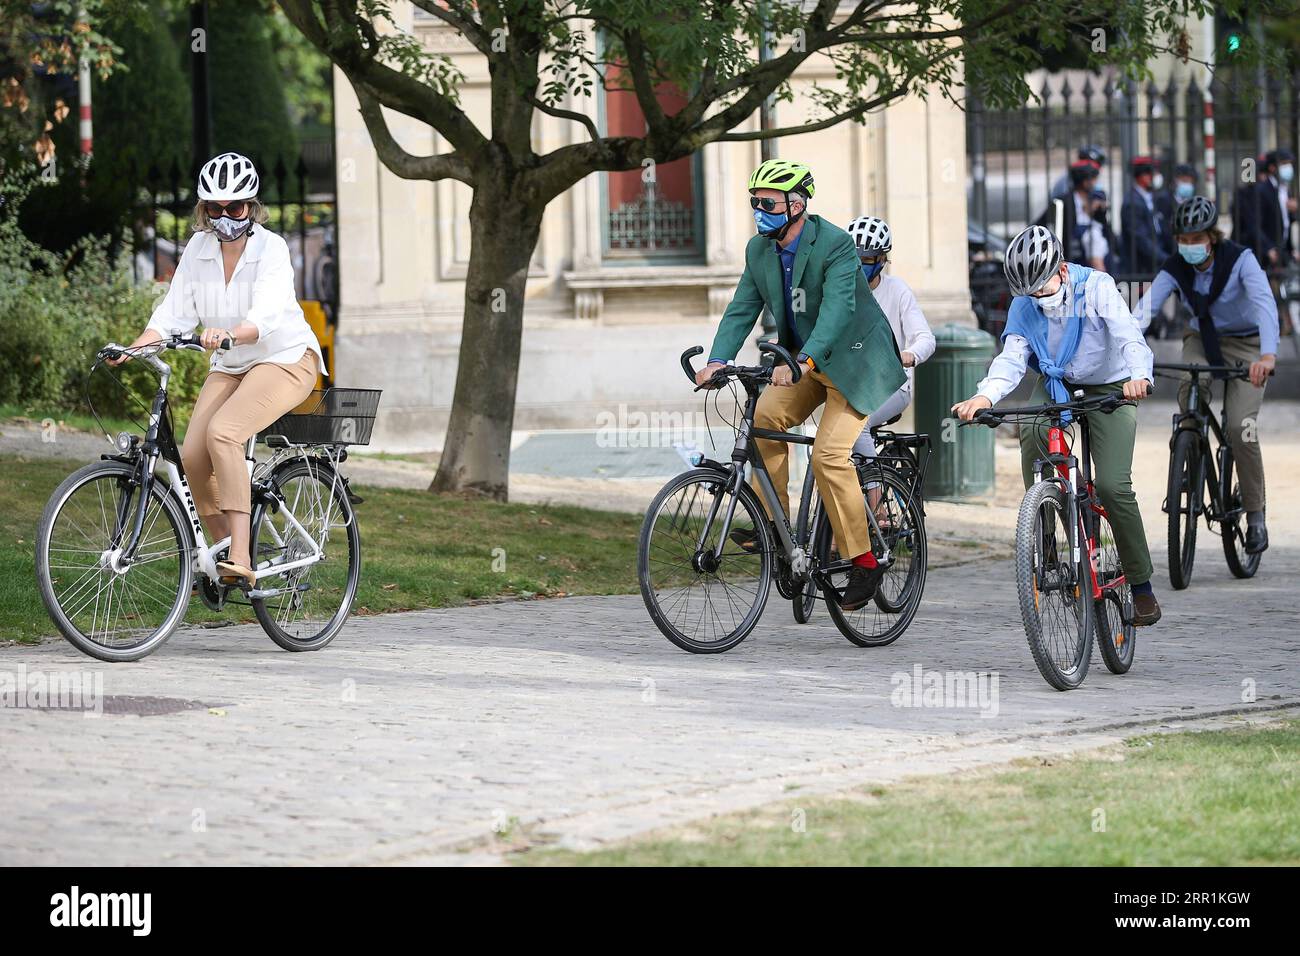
(1016, 157)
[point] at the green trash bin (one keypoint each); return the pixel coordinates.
(961, 459)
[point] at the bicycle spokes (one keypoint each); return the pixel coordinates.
(302, 539)
(703, 587)
(111, 595)
(1055, 590)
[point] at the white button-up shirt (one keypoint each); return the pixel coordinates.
(911, 331)
(260, 292)
(1111, 348)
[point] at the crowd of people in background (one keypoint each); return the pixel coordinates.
(1264, 209)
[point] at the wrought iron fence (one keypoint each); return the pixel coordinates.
(1016, 158)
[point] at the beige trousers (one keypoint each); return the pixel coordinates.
(230, 410)
(782, 408)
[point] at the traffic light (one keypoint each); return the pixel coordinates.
(1232, 32)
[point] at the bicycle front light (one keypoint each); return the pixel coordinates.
(125, 441)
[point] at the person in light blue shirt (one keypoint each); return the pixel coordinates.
(1222, 282)
(1069, 324)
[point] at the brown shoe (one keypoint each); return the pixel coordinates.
(1146, 610)
(236, 574)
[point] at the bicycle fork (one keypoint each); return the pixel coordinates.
(1067, 475)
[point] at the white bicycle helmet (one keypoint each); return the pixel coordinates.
(871, 235)
(228, 177)
(1033, 257)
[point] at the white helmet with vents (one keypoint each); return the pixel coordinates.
(871, 235)
(228, 177)
(1032, 258)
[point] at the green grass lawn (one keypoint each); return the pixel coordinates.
(1211, 798)
(418, 550)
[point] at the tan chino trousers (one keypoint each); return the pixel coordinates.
(230, 410)
(781, 408)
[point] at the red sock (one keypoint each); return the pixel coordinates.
(865, 560)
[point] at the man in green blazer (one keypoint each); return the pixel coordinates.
(806, 271)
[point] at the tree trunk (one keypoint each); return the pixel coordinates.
(504, 229)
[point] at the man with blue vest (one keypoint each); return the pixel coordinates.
(1233, 322)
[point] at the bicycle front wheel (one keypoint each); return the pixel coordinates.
(1055, 591)
(1240, 563)
(1182, 501)
(704, 601)
(109, 605)
(312, 601)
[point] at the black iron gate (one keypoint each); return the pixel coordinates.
(1015, 157)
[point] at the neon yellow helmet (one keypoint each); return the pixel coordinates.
(783, 174)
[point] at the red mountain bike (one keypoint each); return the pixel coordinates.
(1068, 573)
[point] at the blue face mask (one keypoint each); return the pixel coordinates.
(769, 222)
(1184, 191)
(1194, 254)
(872, 271)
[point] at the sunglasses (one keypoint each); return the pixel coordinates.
(234, 210)
(767, 205)
(870, 260)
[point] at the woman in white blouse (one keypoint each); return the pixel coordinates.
(235, 279)
(916, 343)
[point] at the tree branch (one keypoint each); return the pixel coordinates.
(854, 113)
(469, 28)
(963, 32)
(404, 164)
(559, 113)
(338, 38)
(642, 85)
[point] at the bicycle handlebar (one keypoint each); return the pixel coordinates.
(189, 342)
(992, 417)
(1229, 371)
(764, 371)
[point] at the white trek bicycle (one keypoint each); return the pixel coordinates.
(120, 542)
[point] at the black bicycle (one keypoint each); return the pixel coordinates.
(1068, 575)
(1203, 480)
(706, 592)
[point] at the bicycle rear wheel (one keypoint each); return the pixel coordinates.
(1055, 592)
(314, 600)
(1182, 501)
(106, 606)
(703, 604)
(1116, 635)
(1241, 564)
(898, 595)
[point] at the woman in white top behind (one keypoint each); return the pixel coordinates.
(235, 278)
(874, 240)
